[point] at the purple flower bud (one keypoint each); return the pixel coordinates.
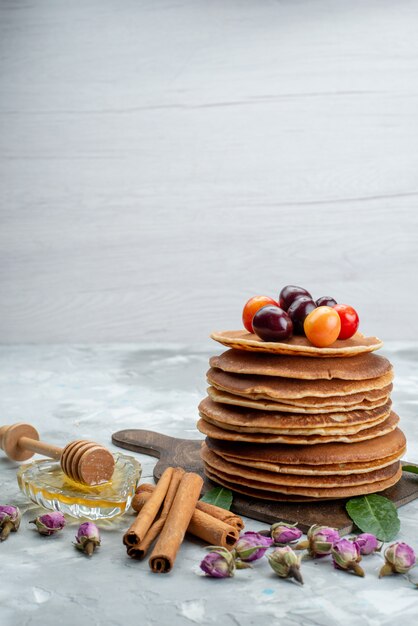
(10, 517)
(346, 556)
(218, 564)
(87, 538)
(320, 541)
(283, 533)
(285, 563)
(251, 546)
(399, 558)
(49, 523)
(367, 543)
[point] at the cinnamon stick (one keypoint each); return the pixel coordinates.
(222, 514)
(210, 529)
(214, 511)
(165, 551)
(139, 528)
(139, 550)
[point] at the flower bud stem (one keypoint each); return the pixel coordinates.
(7, 527)
(89, 547)
(357, 570)
(294, 572)
(386, 570)
(302, 545)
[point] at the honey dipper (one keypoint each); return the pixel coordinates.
(83, 461)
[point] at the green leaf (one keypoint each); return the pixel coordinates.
(219, 497)
(375, 514)
(410, 468)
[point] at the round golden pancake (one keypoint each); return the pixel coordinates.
(301, 346)
(243, 416)
(254, 491)
(274, 480)
(291, 389)
(361, 367)
(295, 432)
(336, 404)
(319, 455)
(316, 470)
(215, 432)
(353, 398)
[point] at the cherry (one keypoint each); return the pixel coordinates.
(322, 326)
(326, 301)
(271, 323)
(251, 307)
(290, 293)
(298, 311)
(349, 320)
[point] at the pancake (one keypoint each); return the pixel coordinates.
(266, 387)
(316, 470)
(254, 493)
(216, 463)
(352, 398)
(243, 416)
(215, 432)
(298, 345)
(361, 367)
(274, 429)
(335, 404)
(319, 455)
(314, 495)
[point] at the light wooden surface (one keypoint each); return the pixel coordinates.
(161, 162)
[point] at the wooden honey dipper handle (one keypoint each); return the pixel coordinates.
(47, 449)
(83, 461)
(10, 441)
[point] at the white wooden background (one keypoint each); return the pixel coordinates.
(162, 161)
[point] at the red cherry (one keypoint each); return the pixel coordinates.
(252, 306)
(349, 320)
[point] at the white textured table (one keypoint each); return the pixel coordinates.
(92, 391)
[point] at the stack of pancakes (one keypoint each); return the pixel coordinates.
(288, 421)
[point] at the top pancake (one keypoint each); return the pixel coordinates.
(361, 367)
(297, 345)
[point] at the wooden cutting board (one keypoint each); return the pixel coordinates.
(174, 452)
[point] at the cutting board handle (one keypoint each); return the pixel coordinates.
(143, 441)
(171, 451)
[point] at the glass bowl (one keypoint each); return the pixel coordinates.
(44, 483)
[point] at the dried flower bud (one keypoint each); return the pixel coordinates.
(87, 538)
(10, 517)
(346, 556)
(285, 563)
(367, 543)
(283, 533)
(320, 541)
(49, 523)
(218, 564)
(251, 546)
(399, 559)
